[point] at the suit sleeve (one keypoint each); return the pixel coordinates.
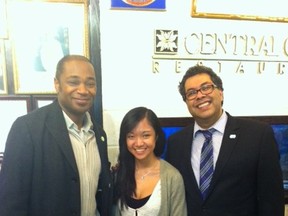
(15, 175)
(270, 181)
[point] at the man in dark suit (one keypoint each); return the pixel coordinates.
(246, 177)
(55, 161)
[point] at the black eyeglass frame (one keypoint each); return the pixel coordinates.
(202, 89)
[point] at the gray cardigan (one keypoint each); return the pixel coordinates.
(172, 192)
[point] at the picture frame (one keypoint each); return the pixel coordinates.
(45, 41)
(3, 71)
(256, 10)
(3, 20)
(40, 101)
(10, 109)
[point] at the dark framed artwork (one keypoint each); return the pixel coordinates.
(10, 109)
(256, 10)
(45, 40)
(278, 123)
(3, 72)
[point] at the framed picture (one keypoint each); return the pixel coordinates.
(257, 10)
(45, 40)
(10, 109)
(3, 72)
(40, 101)
(3, 20)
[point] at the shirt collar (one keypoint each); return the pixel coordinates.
(218, 126)
(88, 125)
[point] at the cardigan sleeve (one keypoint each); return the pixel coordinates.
(172, 191)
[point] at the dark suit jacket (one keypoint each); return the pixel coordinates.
(39, 175)
(247, 180)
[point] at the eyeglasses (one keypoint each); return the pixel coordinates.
(205, 90)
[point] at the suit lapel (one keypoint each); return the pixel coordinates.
(187, 166)
(229, 141)
(100, 140)
(56, 125)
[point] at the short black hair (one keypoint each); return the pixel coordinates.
(60, 64)
(199, 69)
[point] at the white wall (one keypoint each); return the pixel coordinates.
(127, 43)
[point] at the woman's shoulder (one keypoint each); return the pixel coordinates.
(170, 175)
(167, 167)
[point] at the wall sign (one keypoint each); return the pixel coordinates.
(250, 64)
(139, 4)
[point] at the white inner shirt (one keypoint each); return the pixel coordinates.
(198, 141)
(88, 162)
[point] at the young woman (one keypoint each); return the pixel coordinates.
(145, 184)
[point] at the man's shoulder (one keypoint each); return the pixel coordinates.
(185, 130)
(249, 124)
(40, 114)
(249, 121)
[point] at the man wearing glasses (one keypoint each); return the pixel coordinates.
(230, 166)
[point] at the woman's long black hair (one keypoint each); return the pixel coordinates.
(125, 184)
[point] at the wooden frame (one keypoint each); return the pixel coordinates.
(256, 10)
(3, 72)
(11, 108)
(45, 40)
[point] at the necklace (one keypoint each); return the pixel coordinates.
(142, 177)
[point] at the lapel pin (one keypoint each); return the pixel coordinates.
(232, 136)
(102, 138)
